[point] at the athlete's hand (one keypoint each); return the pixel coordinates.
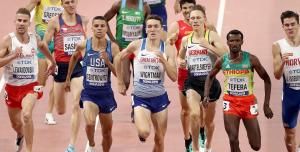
(51, 69)
(67, 86)
(172, 39)
(205, 102)
(268, 111)
(161, 57)
(18, 52)
(122, 89)
(285, 57)
(177, 8)
(104, 56)
(181, 63)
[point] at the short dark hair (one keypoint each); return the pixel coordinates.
(235, 32)
(289, 14)
(199, 7)
(155, 17)
(181, 2)
(99, 18)
(23, 11)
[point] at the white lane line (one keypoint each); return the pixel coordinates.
(87, 143)
(221, 16)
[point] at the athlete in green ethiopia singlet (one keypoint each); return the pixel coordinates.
(129, 24)
(238, 76)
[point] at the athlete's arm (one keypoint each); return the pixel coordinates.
(267, 81)
(49, 34)
(45, 50)
(279, 60)
(32, 3)
(109, 15)
(209, 79)
(115, 50)
(173, 33)
(217, 46)
(5, 56)
(170, 63)
(133, 46)
(85, 22)
(182, 52)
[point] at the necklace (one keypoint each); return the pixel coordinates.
(235, 59)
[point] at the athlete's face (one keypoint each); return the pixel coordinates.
(234, 43)
(197, 19)
(290, 26)
(153, 29)
(22, 23)
(186, 8)
(69, 6)
(99, 28)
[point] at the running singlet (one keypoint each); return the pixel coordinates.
(184, 30)
(129, 24)
(148, 73)
(96, 74)
(155, 3)
(238, 76)
(45, 11)
(66, 39)
(291, 69)
(22, 70)
(199, 59)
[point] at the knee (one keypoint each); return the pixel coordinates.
(185, 112)
(106, 134)
(210, 125)
(16, 125)
(27, 117)
(195, 117)
(76, 108)
(144, 133)
(256, 147)
(159, 139)
(90, 124)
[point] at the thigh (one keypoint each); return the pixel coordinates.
(14, 115)
(253, 131)
(159, 121)
(209, 112)
(28, 103)
(106, 122)
(193, 99)
(183, 101)
(232, 123)
(142, 118)
(59, 92)
(90, 111)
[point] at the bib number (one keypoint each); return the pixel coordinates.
(254, 109)
(226, 106)
(70, 43)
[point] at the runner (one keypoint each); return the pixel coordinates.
(153, 59)
(97, 96)
(239, 101)
(200, 49)
(18, 55)
(44, 11)
(67, 29)
(285, 55)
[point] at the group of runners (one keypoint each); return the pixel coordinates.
(189, 52)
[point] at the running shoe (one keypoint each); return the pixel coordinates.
(19, 143)
(70, 148)
(188, 145)
(49, 119)
(90, 149)
(201, 139)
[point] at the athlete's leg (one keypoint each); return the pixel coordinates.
(59, 97)
(159, 121)
(28, 103)
(126, 72)
(90, 112)
(193, 99)
(253, 133)
(142, 117)
(184, 115)
(106, 125)
(232, 123)
(290, 139)
(76, 88)
(209, 115)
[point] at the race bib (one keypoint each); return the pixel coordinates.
(238, 86)
(23, 69)
(199, 65)
(292, 76)
(50, 12)
(226, 106)
(132, 32)
(151, 2)
(254, 109)
(96, 76)
(70, 43)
